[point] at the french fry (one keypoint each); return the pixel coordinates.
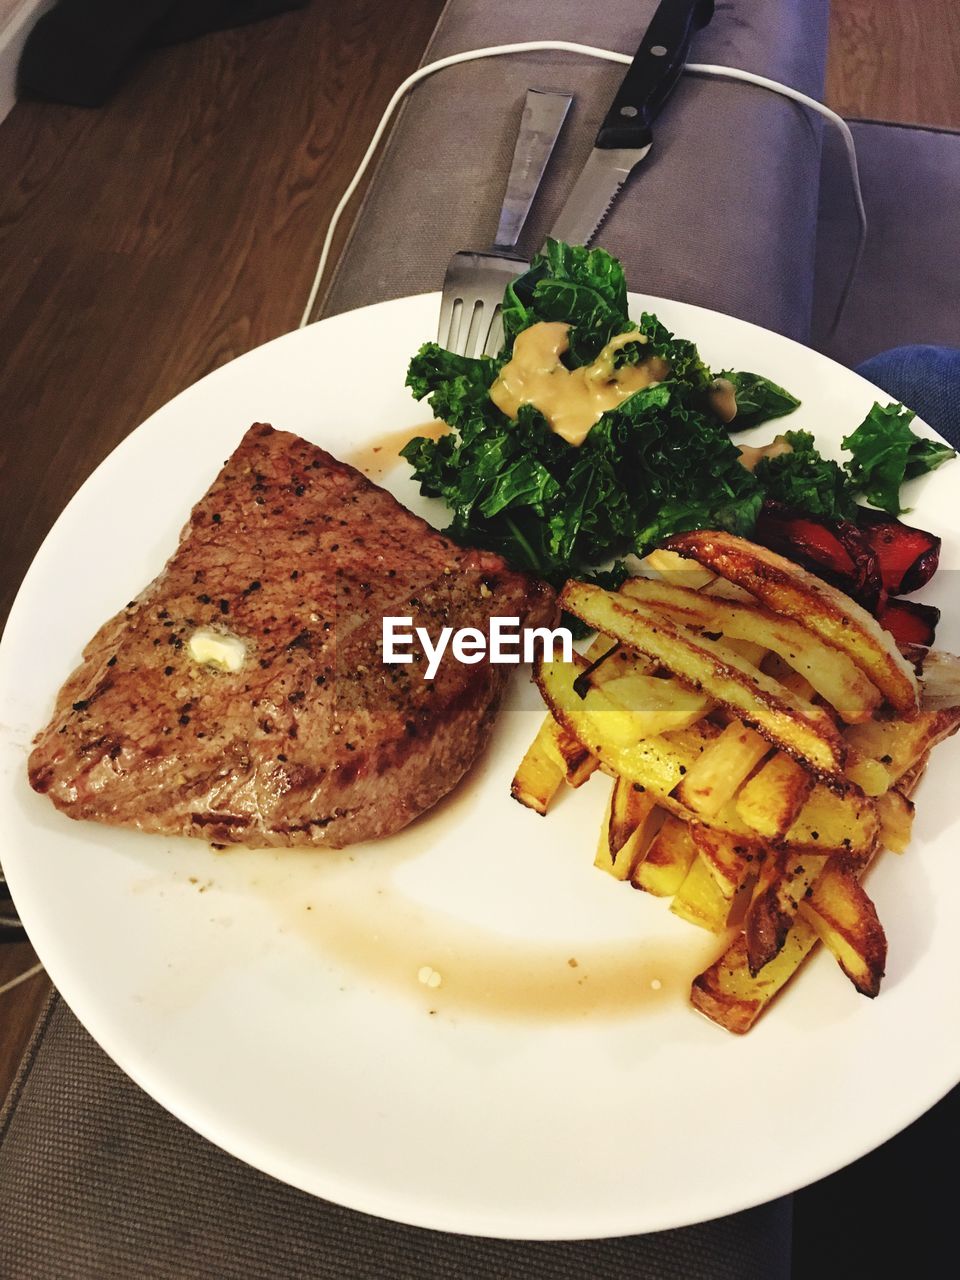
(772, 799)
(657, 763)
(656, 705)
(578, 764)
(833, 674)
(540, 773)
(753, 653)
(787, 589)
(674, 568)
(836, 821)
(845, 919)
(829, 821)
(668, 860)
(716, 775)
(729, 858)
(783, 881)
(781, 671)
(730, 995)
(804, 730)
(899, 744)
(872, 777)
(895, 812)
(721, 588)
(626, 829)
(700, 900)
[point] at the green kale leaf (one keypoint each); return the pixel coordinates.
(804, 481)
(886, 452)
(758, 399)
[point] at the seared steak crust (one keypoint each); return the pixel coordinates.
(315, 741)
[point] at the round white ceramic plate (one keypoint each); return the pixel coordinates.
(556, 1084)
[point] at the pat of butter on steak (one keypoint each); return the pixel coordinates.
(313, 740)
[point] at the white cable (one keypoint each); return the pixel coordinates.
(750, 77)
(21, 977)
(607, 55)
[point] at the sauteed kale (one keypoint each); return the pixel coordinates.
(660, 462)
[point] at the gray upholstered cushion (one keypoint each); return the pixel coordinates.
(908, 286)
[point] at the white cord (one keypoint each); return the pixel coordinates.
(607, 55)
(21, 977)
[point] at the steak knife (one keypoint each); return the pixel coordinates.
(626, 135)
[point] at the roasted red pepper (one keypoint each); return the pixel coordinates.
(835, 550)
(908, 556)
(872, 561)
(909, 621)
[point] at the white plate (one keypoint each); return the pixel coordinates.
(271, 1000)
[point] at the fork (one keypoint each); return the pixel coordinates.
(474, 283)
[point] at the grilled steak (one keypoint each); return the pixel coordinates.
(314, 740)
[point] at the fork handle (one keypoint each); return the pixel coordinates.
(540, 125)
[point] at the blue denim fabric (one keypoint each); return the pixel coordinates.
(926, 379)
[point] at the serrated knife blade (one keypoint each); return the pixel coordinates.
(594, 192)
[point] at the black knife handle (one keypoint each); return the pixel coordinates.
(653, 73)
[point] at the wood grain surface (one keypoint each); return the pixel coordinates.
(19, 1008)
(146, 243)
(896, 60)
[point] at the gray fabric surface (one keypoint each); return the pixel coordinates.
(96, 1180)
(722, 213)
(908, 285)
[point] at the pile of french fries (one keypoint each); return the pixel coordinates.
(764, 736)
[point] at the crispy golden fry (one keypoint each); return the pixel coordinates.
(729, 858)
(578, 764)
(668, 859)
(833, 674)
(771, 801)
(753, 653)
(845, 919)
(836, 821)
(721, 588)
(628, 701)
(656, 763)
(805, 731)
(787, 589)
(895, 811)
(626, 830)
(540, 773)
(872, 777)
(656, 705)
(630, 807)
(700, 900)
(775, 666)
(734, 998)
(783, 881)
(844, 822)
(674, 568)
(722, 767)
(898, 744)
